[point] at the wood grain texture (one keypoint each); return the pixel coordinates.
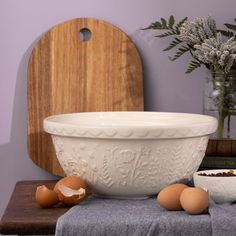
(66, 74)
(24, 217)
(211, 148)
(223, 147)
(233, 151)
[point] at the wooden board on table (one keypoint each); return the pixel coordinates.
(223, 147)
(68, 73)
(24, 217)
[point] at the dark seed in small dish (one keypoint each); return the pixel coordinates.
(219, 174)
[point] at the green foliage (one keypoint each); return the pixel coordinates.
(164, 23)
(194, 64)
(179, 53)
(178, 25)
(168, 25)
(171, 22)
(171, 28)
(173, 44)
(226, 33)
(231, 26)
(168, 33)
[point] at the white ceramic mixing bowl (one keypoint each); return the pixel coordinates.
(130, 154)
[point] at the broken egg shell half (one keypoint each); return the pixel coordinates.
(73, 183)
(46, 197)
(71, 197)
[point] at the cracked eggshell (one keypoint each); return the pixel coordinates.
(73, 183)
(71, 197)
(46, 197)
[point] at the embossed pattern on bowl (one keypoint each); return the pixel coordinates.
(130, 154)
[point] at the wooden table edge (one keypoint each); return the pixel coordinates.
(16, 225)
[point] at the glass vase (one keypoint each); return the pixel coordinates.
(220, 102)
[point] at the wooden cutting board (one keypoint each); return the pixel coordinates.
(70, 72)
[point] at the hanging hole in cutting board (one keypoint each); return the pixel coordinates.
(85, 34)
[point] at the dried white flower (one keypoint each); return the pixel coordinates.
(215, 52)
(215, 93)
(196, 31)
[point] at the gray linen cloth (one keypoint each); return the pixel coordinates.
(223, 219)
(111, 217)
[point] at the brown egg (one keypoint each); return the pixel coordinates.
(46, 197)
(168, 197)
(67, 195)
(194, 200)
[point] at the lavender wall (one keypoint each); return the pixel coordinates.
(167, 88)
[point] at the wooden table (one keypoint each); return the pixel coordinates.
(24, 217)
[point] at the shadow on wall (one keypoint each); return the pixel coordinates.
(146, 42)
(15, 162)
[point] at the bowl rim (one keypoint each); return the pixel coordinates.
(196, 174)
(171, 125)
